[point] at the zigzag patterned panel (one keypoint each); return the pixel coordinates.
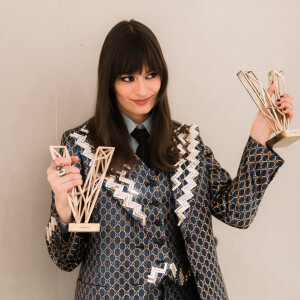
(50, 228)
(127, 197)
(81, 141)
(193, 162)
(154, 273)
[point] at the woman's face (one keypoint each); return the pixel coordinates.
(136, 94)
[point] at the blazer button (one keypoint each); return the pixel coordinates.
(152, 183)
(199, 276)
(188, 240)
(216, 241)
(161, 241)
(160, 261)
(136, 283)
(155, 203)
(158, 222)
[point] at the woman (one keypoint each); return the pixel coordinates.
(155, 207)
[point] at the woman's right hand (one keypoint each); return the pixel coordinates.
(61, 185)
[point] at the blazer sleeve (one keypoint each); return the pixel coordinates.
(235, 201)
(65, 249)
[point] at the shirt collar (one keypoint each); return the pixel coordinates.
(131, 124)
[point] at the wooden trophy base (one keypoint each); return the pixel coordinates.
(284, 138)
(84, 227)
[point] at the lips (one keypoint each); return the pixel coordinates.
(142, 101)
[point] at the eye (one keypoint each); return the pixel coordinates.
(127, 78)
(152, 75)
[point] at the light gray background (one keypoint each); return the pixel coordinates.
(49, 54)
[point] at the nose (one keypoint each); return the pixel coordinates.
(141, 88)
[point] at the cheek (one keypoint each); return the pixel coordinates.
(156, 86)
(121, 91)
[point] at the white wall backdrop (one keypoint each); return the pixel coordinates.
(49, 54)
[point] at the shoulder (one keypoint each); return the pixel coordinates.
(188, 139)
(76, 139)
(72, 133)
(186, 131)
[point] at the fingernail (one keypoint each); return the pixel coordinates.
(279, 105)
(281, 96)
(278, 100)
(284, 109)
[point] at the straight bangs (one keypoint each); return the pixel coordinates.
(135, 53)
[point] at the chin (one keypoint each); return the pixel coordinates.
(145, 110)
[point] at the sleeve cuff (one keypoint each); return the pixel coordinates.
(264, 157)
(63, 226)
(266, 149)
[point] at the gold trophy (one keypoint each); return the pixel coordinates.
(267, 105)
(82, 200)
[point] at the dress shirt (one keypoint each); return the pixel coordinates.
(131, 125)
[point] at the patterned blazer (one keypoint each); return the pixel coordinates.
(119, 262)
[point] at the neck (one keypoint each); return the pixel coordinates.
(138, 119)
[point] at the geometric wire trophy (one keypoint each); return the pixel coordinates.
(82, 200)
(267, 105)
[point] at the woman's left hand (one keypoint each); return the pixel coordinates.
(261, 129)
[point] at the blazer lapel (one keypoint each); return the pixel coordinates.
(183, 179)
(120, 186)
(87, 153)
(123, 190)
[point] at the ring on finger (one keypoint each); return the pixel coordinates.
(59, 167)
(61, 172)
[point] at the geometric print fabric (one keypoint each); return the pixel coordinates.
(116, 262)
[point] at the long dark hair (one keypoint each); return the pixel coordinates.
(128, 47)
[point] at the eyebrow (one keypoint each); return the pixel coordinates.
(136, 72)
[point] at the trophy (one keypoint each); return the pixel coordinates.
(267, 105)
(82, 200)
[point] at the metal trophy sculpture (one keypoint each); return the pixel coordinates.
(267, 105)
(82, 200)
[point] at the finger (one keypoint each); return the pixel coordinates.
(287, 96)
(289, 114)
(62, 161)
(69, 185)
(271, 88)
(285, 105)
(286, 99)
(74, 160)
(62, 185)
(288, 111)
(71, 169)
(50, 170)
(68, 169)
(68, 177)
(73, 183)
(54, 179)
